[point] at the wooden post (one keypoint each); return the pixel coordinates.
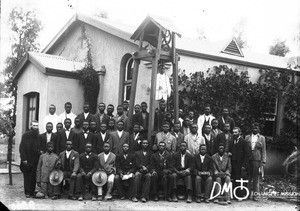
(134, 84)
(153, 86)
(175, 78)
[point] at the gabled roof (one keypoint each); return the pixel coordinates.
(49, 64)
(233, 48)
(196, 48)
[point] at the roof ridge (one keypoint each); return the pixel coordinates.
(51, 56)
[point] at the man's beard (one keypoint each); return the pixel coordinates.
(35, 132)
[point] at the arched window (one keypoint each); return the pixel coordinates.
(126, 70)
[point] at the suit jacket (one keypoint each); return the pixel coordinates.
(135, 143)
(207, 165)
(142, 160)
(105, 119)
(215, 133)
(223, 166)
(259, 153)
(210, 144)
(99, 142)
(139, 119)
(45, 165)
(159, 119)
(159, 163)
(80, 141)
(201, 120)
(222, 139)
(169, 139)
(89, 118)
(125, 165)
(124, 118)
(43, 141)
(179, 139)
(109, 166)
(188, 162)
(30, 148)
(240, 152)
(229, 120)
(74, 160)
(62, 139)
(116, 143)
(88, 164)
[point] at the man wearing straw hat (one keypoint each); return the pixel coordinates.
(88, 165)
(45, 165)
(107, 163)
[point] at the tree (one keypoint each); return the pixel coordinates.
(25, 28)
(201, 34)
(238, 32)
(279, 48)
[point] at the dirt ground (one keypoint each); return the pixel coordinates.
(14, 199)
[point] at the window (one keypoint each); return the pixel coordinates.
(32, 111)
(126, 71)
(271, 114)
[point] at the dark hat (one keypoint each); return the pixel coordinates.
(25, 168)
(99, 178)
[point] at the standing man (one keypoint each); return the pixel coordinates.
(205, 119)
(68, 161)
(257, 160)
(160, 116)
(161, 169)
(142, 118)
(192, 117)
(222, 172)
(118, 138)
(100, 138)
(101, 117)
(52, 117)
(239, 156)
(167, 137)
(178, 135)
(88, 166)
(46, 137)
(209, 140)
(135, 139)
(215, 131)
(225, 137)
(68, 114)
(110, 110)
(125, 165)
(183, 166)
(194, 140)
(121, 116)
(78, 127)
(225, 118)
(86, 115)
(125, 107)
(204, 171)
(63, 136)
(30, 153)
(142, 176)
(83, 138)
(137, 108)
(107, 161)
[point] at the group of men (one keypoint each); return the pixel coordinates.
(191, 152)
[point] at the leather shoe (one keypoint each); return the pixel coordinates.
(206, 201)
(174, 198)
(93, 198)
(72, 197)
(189, 199)
(80, 198)
(108, 197)
(198, 200)
(122, 198)
(155, 198)
(134, 199)
(54, 197)
(99, 198)
(143, 200)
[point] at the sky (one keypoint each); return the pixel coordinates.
(262, 21)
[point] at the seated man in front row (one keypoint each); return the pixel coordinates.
(88, 166)
(68, 161)
(222, 171)
(203, 171)
(183, 165)
(161, 168)
(125, 163)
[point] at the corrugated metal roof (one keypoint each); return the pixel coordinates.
(56, 62)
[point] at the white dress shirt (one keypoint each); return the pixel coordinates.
(68, 153)
(254, 139)
(106, 156)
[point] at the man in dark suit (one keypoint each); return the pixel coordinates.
(86, 115)
(118, 138)
(225, 118)
(63, 136)
(239, 152)
(257, 159)
(30, 153)
(110, 110)
(183, 163)
(215, 131)
(142, 176)
(68, 162)
(101, 117)
(135, 138)
(204, 171)
(88, 166)
(78, 127)
(125, 107)
(142, 118)
(209, 140)
(46, 137)
(160, 116)
(121, 116)
(125, 165)
(161, 169)
(83, 138)
(137, 108)
(100, 138)
(178, 135)
(225, 137)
